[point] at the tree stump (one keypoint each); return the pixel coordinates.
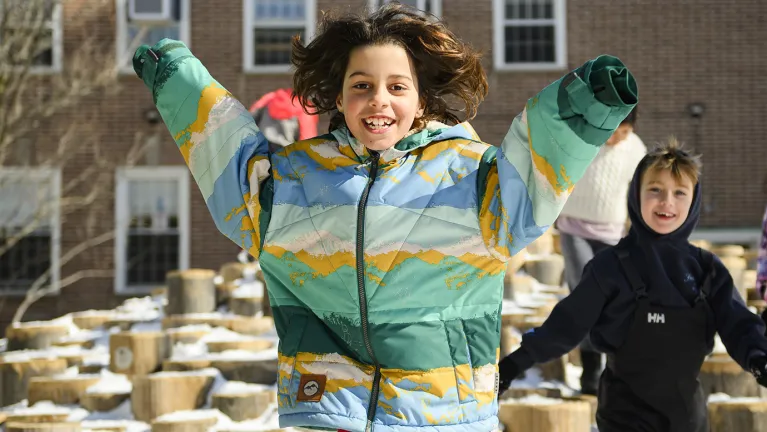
(517, 284)
(75, 342)
(34, 336)
(188, 335)
(202, 424)
(224, 292)
(591, 400)
(137, 353)
(721, 374)
(728, 250)
(243, 402)
(536, 414)
(191, 291)
(188, 365)
(15, 376)
(745, 415)
(245, 306)
(554, 370)
(254, 369)
(92, 368)
(244, 344)
(543, 245)
(510, 339)
(27, 416)
(61, 390)
(210, 319)
(103, 402)
(233, 271)
(90, 320)
(253, 326)
(546, 269)
(523, 392)
(165, 392)
(43, 427)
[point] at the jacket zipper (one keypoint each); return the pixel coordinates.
(361, 289)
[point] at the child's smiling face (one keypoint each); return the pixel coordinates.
(665, 200)
(379, 98)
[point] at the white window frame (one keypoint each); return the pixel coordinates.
(53, 175)
(560, 38)
(122, 218)
(56, 25)
(436, 5)
(249, 23)
(124, 58)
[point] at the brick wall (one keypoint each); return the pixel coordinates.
(680, 52)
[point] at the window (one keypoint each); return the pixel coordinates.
(433, 7)
(147, 22)
(269, 28)
(152, 223)
(529, 34)
(35, 22)
(29, 228)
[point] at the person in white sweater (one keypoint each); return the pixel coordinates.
(594, 218)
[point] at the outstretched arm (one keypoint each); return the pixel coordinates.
(225, 151)
(524, 185)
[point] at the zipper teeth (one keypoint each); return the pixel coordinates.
(361, 290)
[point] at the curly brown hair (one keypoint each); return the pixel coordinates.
(444, 65)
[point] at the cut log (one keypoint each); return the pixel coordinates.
(93, 319)
(185, 365)
(103, 402)
(159, 292)
(69, 342)
(210, 319)
(224, 292)
(523, 392)
(253, 326)
(721, 374)
(61, 390)
(34, 336)
(165, 392)
(185, 425)
(242, 402)
(137, 353)
(43, 427)
(536, 414)
(592, 401)
(543, 245)
(187, 335)
(92, 368)
(517, 284)
(191, 291)
(260, 369)
(15, 376)
(245, 306)
(728, 250)
(244, 344)
(546, 269)
(703, 244)
(232, 271)
(28, 416)
(745, 415)
(554, 370)
(510, 339)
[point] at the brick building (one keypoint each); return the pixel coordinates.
(688, 57)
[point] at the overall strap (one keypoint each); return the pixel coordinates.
(705, 288)
(637, 285)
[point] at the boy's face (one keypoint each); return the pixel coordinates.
(379, 98)
(665, 201)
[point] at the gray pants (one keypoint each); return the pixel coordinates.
(577, 252)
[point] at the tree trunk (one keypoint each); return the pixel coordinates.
(738, 416)
(34, 337)
(15, 376)
(545, 415)
(137, 353)
(191, 291)
(61, 390)
(166, 392)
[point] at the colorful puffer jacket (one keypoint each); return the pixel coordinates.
(385, 271)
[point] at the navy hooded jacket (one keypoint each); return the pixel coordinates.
(672, 270)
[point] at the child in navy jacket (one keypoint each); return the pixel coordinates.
(652, 303)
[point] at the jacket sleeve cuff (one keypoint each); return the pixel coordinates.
(150, 62)
(522, 359)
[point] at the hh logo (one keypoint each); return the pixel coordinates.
(656, 318)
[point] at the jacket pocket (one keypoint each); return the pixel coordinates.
(288, 350)
(461, 357)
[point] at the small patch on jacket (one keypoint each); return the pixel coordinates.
(311, 388)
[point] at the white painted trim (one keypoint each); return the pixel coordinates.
(57, 44)
(560, 39)
(53, 175)
(123, 176)
(421, 4)
(248, 24)
(124, 55)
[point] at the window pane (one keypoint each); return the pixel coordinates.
(175, 6)
(272, 46)
(26, 261)
(279, 9)
(151, 257)
(529, 9)
(24, 200)
(153, 34)
(14, 39)
(529, 44)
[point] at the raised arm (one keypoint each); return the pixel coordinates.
(225, 151)
(525, 183)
